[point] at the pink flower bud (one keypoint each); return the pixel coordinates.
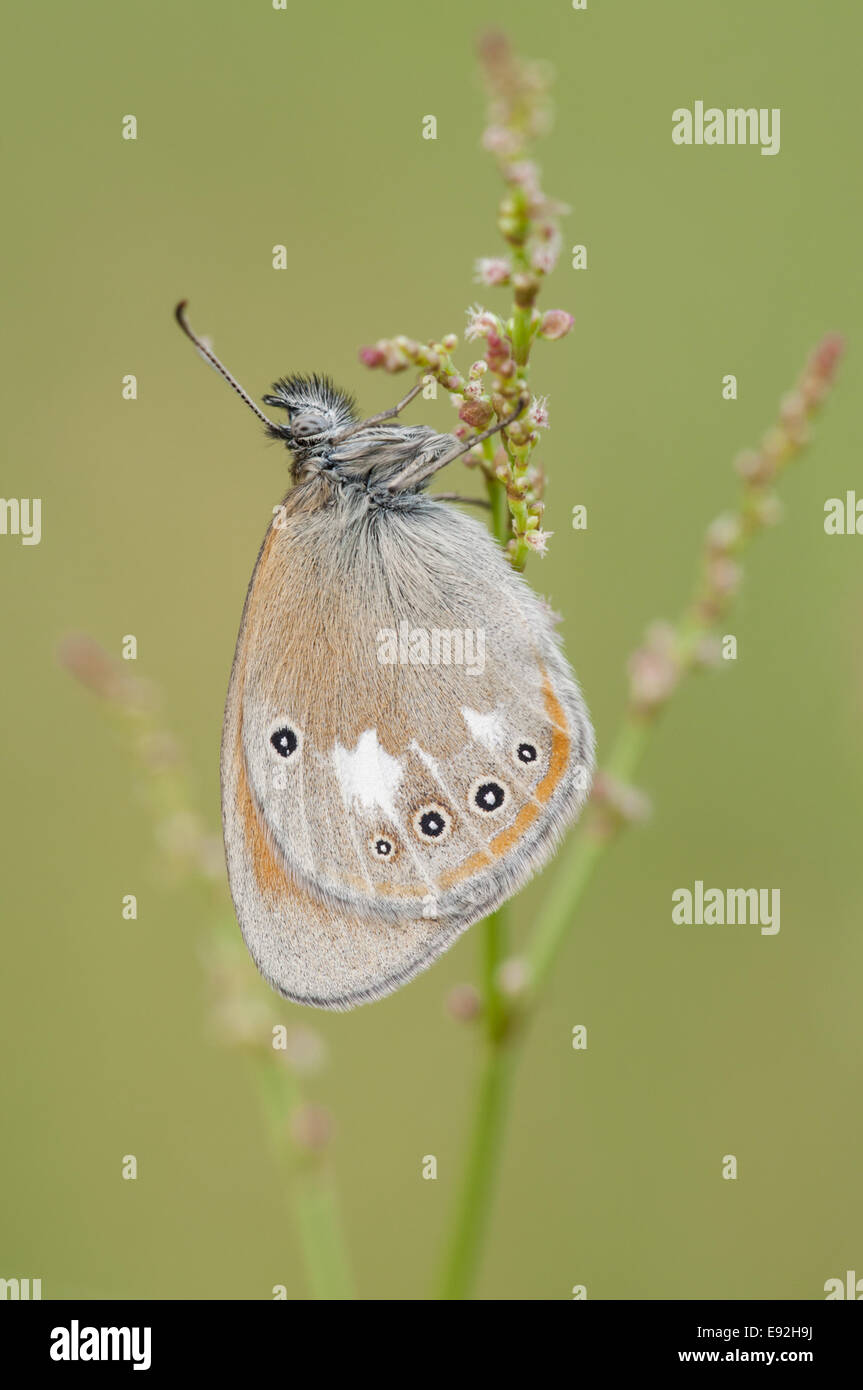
(464, 1004)
(304, 1052)
(492, 271)
(371, 356)
(625, 802)
(723, 534)
(654, 669)
(394, 359)
(827, 354)
(754, 467)
(556, 323)
(768, 510)
(500, 141)
(708, 652)
(311, 1127)
(526, 175)
(546, 248)
(498, 352)
(513, 977)
(544, 259)
(723, 576)
(476, 413)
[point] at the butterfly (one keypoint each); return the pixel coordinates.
(404, 741)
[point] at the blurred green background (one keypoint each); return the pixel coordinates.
(302, 127)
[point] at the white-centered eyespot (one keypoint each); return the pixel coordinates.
(285, 740)
(488, 795)
(384, 847)
(526, 752)
(432, 822)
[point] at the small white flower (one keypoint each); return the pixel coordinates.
(526, 174)
(538, 412)
(480, 323)
(492, 270)
(500, 141)
(538, 540)
(545, 250)
(544, 207)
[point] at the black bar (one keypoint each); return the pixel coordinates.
(254, 1337)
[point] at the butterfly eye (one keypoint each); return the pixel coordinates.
(526, 753)
(487, 795)
(432, 822)
(285, 741)
(307, 424)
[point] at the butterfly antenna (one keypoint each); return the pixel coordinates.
(180, 316)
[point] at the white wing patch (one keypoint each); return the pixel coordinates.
(368, 776)
(485, 728)
(427, 758)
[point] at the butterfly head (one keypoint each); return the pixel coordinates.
(324, 436)
(316, 411)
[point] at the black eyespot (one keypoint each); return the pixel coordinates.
(384, 846)
(285, 742)
(526, 753)
(432, 822)
(487, 795)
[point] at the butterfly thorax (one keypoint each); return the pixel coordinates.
(377, 457)
(322, 437)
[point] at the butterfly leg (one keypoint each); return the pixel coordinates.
(457, 497)
(384, 415)
(486, 434)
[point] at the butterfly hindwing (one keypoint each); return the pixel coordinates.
(403, 736)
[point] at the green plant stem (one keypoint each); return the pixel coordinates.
(561, 904)
(484, 1151)
(498, 1068)
(313, 1195)
(477, 1187)
(494, 940)
(569, 883)
(500, 514)
(316, 1207)
(484, 1148)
